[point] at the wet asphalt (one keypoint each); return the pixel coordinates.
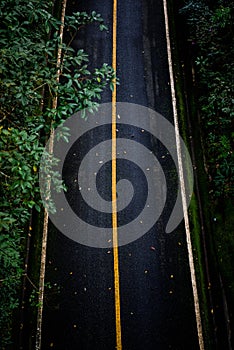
(157, 309)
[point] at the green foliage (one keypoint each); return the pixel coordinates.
(29, 41)
(50, 291)
(211, 35)
(11, 271)
(82, 18)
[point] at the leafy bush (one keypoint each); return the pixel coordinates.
(211, 34)
(29, 40)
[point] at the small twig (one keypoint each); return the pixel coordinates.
(42, 85)
(5, 175)
(3, 118)
(6, 114)
(71, 40)
(31, 282)
(10, 121)
(4, 279)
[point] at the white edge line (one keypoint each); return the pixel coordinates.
(182, 185)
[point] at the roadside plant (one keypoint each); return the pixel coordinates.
(29, 41)
(211, 35)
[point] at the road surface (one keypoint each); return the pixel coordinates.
(154, 308)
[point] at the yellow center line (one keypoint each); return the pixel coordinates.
(114, 196)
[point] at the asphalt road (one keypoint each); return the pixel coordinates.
(156, 301)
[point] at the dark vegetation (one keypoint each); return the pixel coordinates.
(29, 41)
(211, 37)
(206, 28)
